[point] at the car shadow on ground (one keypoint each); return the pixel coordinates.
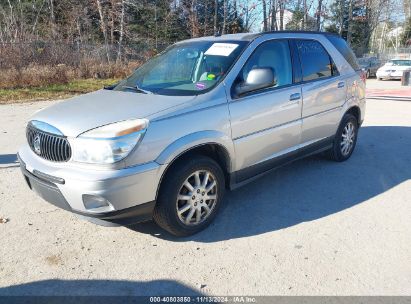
(309, 189)
(8, 161)
(98, 288)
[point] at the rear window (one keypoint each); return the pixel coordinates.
(344, 49)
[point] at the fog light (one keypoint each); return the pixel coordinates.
(96, 203)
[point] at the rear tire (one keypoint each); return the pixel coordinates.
(367, 75)
(345, 139)
(190, 195)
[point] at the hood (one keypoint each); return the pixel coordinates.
(395, 67)
(82, 113)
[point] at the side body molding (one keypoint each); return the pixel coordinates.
(196, 139)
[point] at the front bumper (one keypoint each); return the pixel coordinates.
(389, 75)
(131, 192)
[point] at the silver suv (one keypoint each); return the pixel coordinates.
(205, 115)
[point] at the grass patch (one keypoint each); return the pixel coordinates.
(53, 91)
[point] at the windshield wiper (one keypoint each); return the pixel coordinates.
(137, 89)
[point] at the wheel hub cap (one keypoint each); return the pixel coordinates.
(197, 197)
(347, 140)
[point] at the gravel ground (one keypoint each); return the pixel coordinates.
(314, 227)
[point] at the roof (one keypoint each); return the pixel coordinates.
(252, 36)
(239, 36)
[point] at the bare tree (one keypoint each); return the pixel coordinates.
(350, 23)
(206, 17)
(265, 27)
(215, 16)
(52, 19)
(33, 28)
(224, 17)
(273, 22)
(249, 13)
(120, 40)
(103, 27)
(305, 13)
(318, 14)
(341, 17)
(281, 4)
(194, 19)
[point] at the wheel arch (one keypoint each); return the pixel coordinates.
(218, 148)
(356, 112)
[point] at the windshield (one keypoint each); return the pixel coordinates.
(399, 62)
(184, 69)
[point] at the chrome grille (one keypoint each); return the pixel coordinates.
(48, 146)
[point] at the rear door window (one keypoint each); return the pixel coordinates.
(316, 63)
(344, 50)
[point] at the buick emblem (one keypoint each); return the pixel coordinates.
(36, 144)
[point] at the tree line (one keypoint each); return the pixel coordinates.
(121, 26)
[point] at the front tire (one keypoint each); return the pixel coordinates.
(190, 196)
(345, 139)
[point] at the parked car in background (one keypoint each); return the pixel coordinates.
(207, 114)
(393, 69)
(369, 65)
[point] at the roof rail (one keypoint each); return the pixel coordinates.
(299, 32)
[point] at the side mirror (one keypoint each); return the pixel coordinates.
(257, 79)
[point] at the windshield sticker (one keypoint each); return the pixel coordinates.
(200, 86)
(221, 49)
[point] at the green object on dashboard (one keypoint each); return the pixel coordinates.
(210, 77)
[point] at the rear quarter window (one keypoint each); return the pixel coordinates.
(344, 50)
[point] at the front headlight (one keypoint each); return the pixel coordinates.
(108, 144)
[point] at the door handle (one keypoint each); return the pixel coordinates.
(295, 96)
(341, 84)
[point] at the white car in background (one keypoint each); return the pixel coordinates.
(393, 69)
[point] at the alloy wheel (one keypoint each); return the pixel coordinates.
(197, 198)
(348, 137)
